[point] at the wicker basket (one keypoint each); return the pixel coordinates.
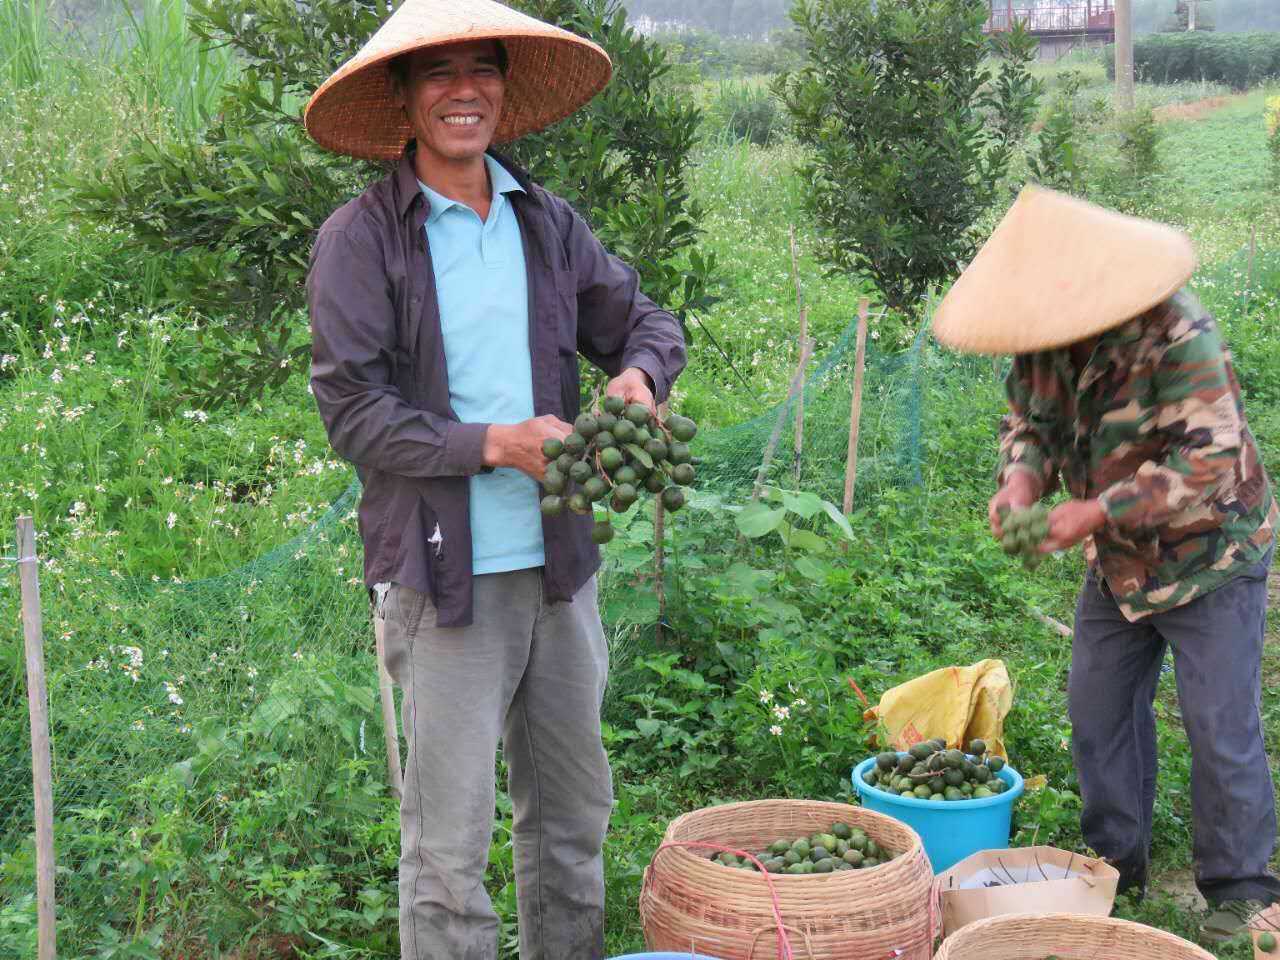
(1069, 936)
(691, 903)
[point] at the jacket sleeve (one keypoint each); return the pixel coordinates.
(1196, 410)
(618, 326)
(1022, 448)
(353, 364)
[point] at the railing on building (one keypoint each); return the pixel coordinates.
(1092, 15)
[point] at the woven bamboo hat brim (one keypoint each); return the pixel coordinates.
(552, 73)
(1058, 270)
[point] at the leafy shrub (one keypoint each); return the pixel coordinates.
(1273, 135)
(717, 56)
(747, 113)
(1056, 161)
(1139, 140)
(889, 101)
(1240, 60)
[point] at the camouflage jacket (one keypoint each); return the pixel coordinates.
(1155, 430)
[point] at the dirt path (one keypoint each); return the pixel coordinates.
(1197, 109)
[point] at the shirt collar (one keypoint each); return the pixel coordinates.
(499, 178)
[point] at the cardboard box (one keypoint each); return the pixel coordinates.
(1025, 880)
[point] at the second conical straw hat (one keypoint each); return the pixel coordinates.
(1058, 270)
(552, 73)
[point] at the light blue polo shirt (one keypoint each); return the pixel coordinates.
(482, 286)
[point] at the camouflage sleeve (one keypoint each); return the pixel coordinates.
(1195, 409)
(1021, 446)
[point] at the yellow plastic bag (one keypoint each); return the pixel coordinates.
(958, 703)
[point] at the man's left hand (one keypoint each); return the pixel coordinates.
(1071, 522)
(633, 386)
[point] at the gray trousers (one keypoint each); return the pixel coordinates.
(1115, 668)
(532, 674)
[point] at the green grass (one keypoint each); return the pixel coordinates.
(252, 805)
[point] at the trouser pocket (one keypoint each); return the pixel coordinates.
(400, 610)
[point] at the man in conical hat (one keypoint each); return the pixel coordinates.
(449, 303)
(1122, 392)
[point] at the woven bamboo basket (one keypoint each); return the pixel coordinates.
(690, 903)
(1068, 936)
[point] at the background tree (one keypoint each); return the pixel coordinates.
(236, 206)
(891, 102)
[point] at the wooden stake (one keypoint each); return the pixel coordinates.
(798, 461)
(806, 351)
(855, 409)
(390, 730)
(1253, 252)
(659, 551)
(1124, 55)
(41, 755)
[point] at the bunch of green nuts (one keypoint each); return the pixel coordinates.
(841, 848)
(1023, 532)
(617, 453)
(929, 771)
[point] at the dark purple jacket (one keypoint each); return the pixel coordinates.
(379, 378)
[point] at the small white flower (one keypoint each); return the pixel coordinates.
(766, 696)
(782, 713)
(297, 654)
(776, 730)
(139, 725)
(798, 703)
(171, 521)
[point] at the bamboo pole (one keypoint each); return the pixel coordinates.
(806, 351)
(1253, 252)
(41, 754)
(390, 729)
(1124, 55)
(855, 408)
(798, 461)
(659, 549)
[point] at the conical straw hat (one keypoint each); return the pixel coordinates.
(1058, 270)
(553, 72)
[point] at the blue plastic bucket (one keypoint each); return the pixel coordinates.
(951, 830)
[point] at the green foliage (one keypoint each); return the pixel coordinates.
(746, 112)
(713, 55)
(889, 101)
(1016, 92)
(1240, 60)
(622, 160)
(24, 40)
(1273, 136)
(1139, 145)
(241, 201)
(1056, 161)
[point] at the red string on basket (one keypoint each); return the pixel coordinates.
(784, 945)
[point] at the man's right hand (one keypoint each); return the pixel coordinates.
(1018, 493)
(519, 445)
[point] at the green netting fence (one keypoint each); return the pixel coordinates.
(262, 681)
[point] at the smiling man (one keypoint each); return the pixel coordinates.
(449, 303)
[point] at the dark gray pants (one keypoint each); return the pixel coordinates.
(533, 674)
(1217, 649)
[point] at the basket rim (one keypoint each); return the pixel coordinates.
(982, 930)
(900, 859)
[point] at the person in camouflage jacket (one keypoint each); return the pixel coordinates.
(1140, 420)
